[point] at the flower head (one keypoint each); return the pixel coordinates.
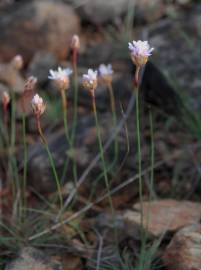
(38, 105)
(106, 72)
(61, 77)
(140, 51)
(18, 62)
(5, 99)
(89, 80)
(75, 42)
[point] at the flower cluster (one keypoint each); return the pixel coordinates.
(106, 73)
(140, 51)
(61, 77)
(89, 80)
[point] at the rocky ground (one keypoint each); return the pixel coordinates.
(41, 32)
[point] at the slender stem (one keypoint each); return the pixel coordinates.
(152, 153)
(5, 115)
(101, 150)
(25, 160)
(113, 109)
(65, 112)
(51, 160)
(139, 156)
(69, 140)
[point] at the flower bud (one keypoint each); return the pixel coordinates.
(75, 42)
(38, 105)
(5, 99)
(18, 62)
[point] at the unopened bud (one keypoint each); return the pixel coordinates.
(18, 62)
(5, 99)
(38, 105)
(75, 42)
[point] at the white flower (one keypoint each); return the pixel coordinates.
(90, 79)
(90, 76)
(38, 105)
(61, 76)
(140, 51)
(105, 70)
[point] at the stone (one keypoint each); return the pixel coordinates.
(40, 65)
(104, 11)
(165, 215)
(184, 250)
(11, 77)
(37, 25)
(30, 258)
(182, 32)
(149, 10)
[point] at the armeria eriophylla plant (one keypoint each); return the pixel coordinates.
(61, 77)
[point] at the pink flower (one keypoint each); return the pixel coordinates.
(140, 52)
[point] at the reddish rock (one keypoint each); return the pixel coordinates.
(184, 251)
(165, 215)
(37, 25)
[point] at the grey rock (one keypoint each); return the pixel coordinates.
(30, 258)
(103, 11)
(37, 25)
(40, 65)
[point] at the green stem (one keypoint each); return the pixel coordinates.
(139, 156)
(65, 115)
(51, 161)
(113, 109)
(25, 160)
(152, 152)
(102, 152)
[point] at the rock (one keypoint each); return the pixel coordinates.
(149, 10)
(33, 259)
(184, 250)
(11, 77)
(37, 25)
(103, 11)
(40, 65)
(184, 33)
(165, 215)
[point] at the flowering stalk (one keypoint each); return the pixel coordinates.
(28, 88)
(75, 46)
(90, 83)
(38, 109)
(140, 51)
(106, 74)
(62, 81)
